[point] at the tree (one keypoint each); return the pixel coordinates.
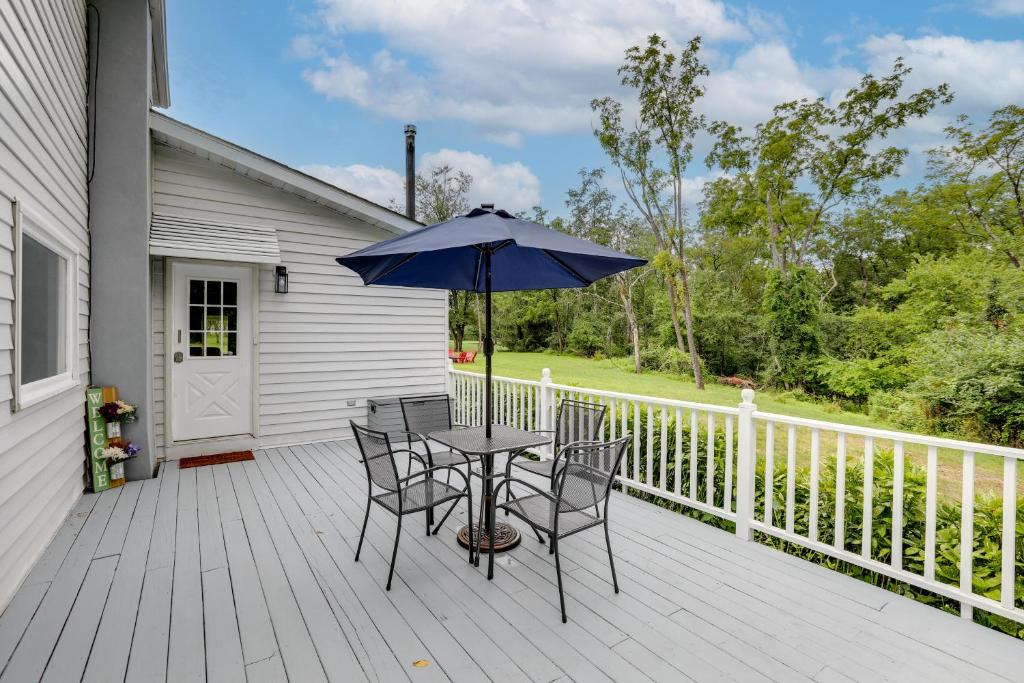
(980, 181)
(593, 216)
(810, 158)
(440, 197)
(668, 88)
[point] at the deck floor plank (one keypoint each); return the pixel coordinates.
(298, 654)
(246, 572)
(186, 654)
(33, 651)
(117, 624)
(147, 660)
(256, 632)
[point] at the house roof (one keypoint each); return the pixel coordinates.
(161, 95)
(258, 167)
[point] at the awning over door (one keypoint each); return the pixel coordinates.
(205, 239)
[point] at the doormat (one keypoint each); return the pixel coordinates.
(216, 459)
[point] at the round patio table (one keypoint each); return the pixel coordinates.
(474, 441)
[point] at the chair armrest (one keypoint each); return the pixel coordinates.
(508, 480)
(431, 470)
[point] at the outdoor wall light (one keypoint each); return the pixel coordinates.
(281, 280)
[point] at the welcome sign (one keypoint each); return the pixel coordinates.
(97, 439)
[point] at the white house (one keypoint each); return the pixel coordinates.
(139, 252)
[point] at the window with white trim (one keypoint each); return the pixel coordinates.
(45, 300)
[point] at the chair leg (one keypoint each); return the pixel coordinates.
(445, 518)
(469, 521)
(490, 545)
(558, 572)
(479, 530)
(611, 559)
(394, 553)
(366, 518)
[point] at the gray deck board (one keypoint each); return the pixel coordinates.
(246, 572)
(122, 607)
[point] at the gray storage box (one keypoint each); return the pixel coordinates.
(385, 415)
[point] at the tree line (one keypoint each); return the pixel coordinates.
(797, 270)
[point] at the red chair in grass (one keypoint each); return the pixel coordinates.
(470, 357)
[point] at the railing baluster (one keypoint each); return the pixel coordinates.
(636, 440)
(1006, 592)
(679, 450)
(663, 451)
(611, 418)
(649, 479)
(812, 530)
(897, 506)
(931, 488)
(790, 477)
(728, 464)
(967, 534)
(769, 470)
(840, 531)
(624, 417)
(694, 437)
(709, 493)
(866, 508)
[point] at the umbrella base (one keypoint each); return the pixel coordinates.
(506, 537)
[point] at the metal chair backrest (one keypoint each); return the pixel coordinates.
(578, 421)
(425, 414)
(588, 473)
(377, 457)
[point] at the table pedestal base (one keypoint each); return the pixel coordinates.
(506, 537)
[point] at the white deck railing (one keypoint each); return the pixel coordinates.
(707, 457)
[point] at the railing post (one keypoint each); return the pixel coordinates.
(449, 379)
(545, 400)
(746, 467)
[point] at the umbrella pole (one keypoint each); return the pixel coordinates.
(488, 343)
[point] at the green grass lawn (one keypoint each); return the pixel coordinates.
(615, 374)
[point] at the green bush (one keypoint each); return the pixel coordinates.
(667, 359)
(584, 338)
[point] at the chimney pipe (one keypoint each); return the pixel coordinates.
(410, 171)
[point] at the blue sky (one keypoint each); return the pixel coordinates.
(502, 89)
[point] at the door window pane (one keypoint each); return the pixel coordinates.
(195, 344)
(231, 344)
(212, 292)
(195, 318)
(43, 312)
(195, 291)
(231, 318)
(230, 294)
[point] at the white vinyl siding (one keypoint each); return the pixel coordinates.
(330, 339)
(156, 299)
(43, 165)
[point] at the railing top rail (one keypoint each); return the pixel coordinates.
(649, 399)
(906, 437)
(496, 378)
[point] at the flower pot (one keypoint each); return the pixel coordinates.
(116, 474)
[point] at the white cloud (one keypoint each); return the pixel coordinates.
(511, 186)
(528, 65)
(376, 183)
(1002, 8)
(984, 74)
(508, 185)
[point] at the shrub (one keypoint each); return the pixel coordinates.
(584, 338)
(669, 360)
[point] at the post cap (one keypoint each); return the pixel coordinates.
(545, 373)
(747, 395)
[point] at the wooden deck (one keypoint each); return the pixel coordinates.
(245, 572)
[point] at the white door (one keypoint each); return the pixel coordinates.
(211, 351)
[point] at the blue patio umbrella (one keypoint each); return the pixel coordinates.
(487, 251)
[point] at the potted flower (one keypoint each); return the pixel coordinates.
(116, 413)
(116, 452)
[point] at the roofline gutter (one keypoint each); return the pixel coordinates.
(161, 95)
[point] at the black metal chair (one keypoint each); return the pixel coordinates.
(404, 496)
(583, 482)
(577, 422)
(431, 413)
